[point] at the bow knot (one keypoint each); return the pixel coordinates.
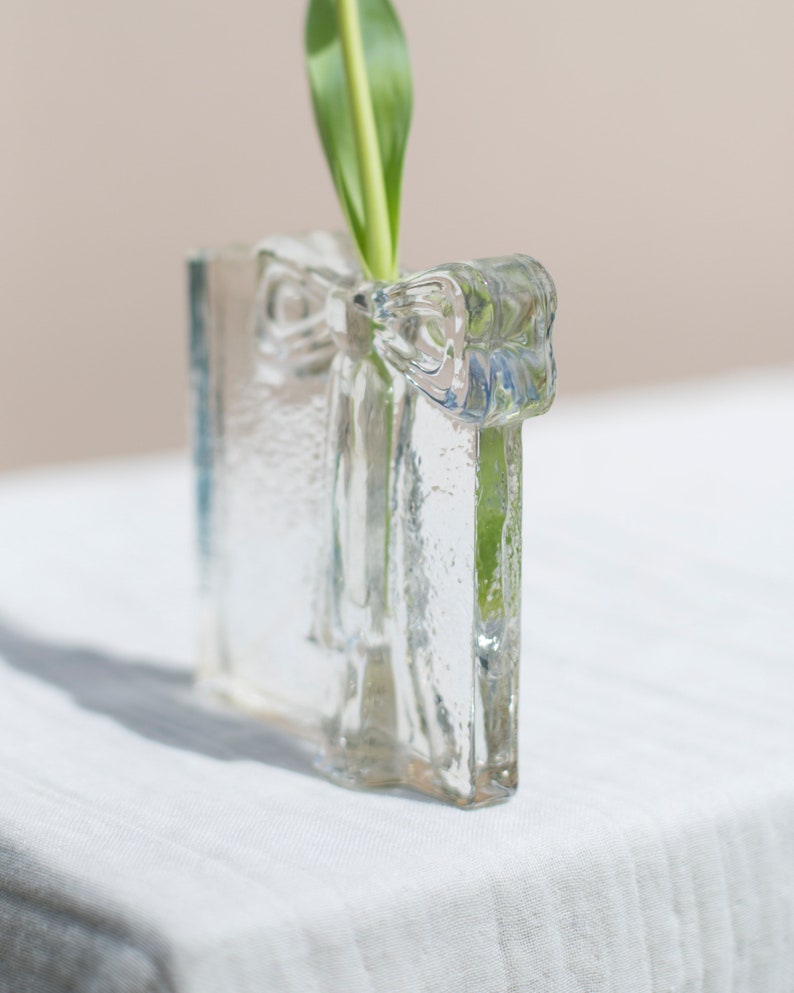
(473, 337)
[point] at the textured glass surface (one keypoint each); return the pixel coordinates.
(358, 448)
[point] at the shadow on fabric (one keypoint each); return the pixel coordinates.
(154, 701)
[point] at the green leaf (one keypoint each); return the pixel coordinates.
(360, 81)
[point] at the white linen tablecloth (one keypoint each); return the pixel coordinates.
(152, 841)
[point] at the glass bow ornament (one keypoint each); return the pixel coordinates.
(358, 454)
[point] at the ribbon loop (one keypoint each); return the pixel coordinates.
(475, 337)
(298, 278)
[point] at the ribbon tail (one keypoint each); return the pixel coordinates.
(355, 602)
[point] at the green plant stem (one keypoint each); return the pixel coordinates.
(378, 259)
(491, 518)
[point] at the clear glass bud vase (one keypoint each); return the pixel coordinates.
(358, 456)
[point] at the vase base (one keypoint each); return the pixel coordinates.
(280, 716)
(405, 772)
(378, 764)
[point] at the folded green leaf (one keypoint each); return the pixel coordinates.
(360, 80)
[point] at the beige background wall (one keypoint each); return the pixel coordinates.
(643, 151)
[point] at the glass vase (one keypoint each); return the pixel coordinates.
(358, 462)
